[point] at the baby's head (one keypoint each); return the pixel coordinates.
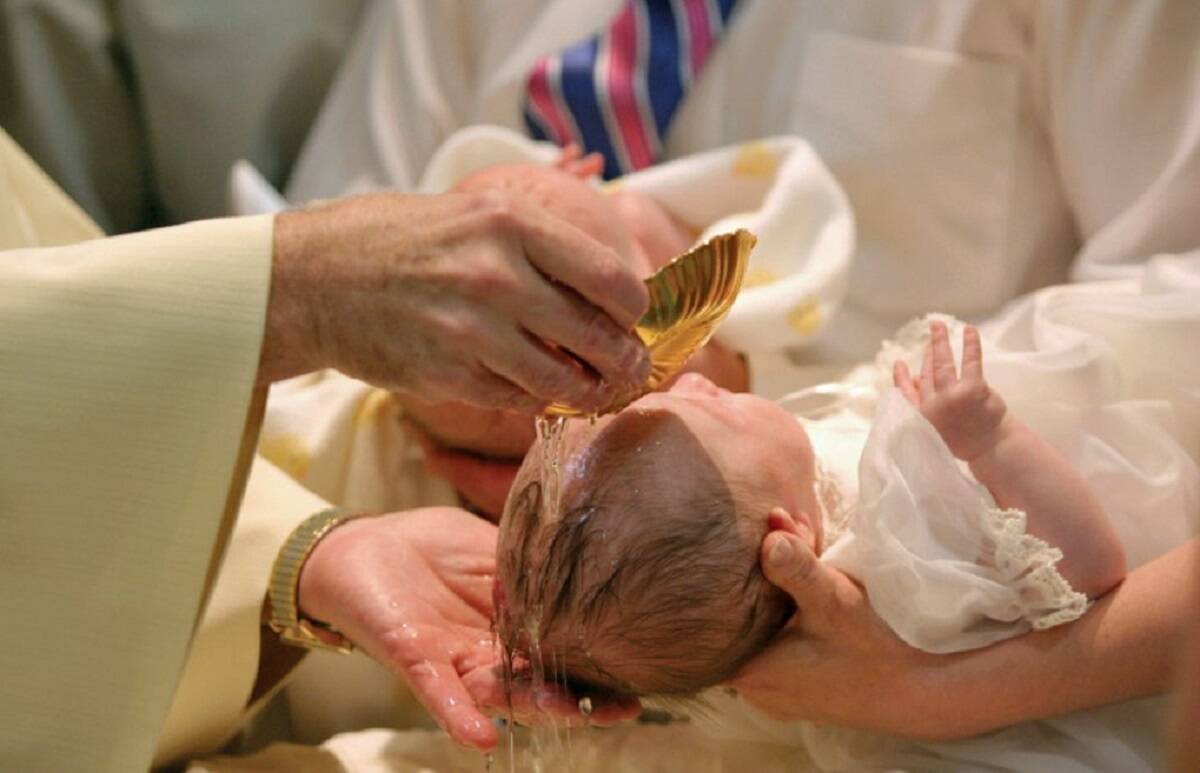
(567, 196)
(648, 581)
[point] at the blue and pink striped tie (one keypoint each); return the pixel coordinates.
(616, 93)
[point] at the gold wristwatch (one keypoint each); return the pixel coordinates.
(285, 585)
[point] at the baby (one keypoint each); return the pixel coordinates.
(645, 578)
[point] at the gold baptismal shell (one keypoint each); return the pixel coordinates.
(688, 299)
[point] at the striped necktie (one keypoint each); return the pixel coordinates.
(616, 93)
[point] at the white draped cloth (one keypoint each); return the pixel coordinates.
(1104, 372)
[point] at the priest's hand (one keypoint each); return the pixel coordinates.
(414, 591)
(477, 297)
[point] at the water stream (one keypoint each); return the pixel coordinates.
(550, 433)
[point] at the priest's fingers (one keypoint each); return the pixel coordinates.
(588, 333)
(441, 691)
(567, 255)
(543, 373)
(479, 385)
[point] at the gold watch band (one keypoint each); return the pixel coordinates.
(285, 585)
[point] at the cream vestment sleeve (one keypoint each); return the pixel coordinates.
(213, 696)
(128, 367)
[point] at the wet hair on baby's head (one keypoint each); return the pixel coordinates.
(649, 580)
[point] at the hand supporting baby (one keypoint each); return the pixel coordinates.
(414, 591)
(836, 661)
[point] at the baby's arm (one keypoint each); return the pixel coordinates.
(1019, 468)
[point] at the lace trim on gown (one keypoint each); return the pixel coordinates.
(1030, 567)
(835, 516)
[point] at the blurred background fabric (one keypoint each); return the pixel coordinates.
(137, 108)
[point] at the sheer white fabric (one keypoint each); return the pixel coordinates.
(942, 564)
(1105, 372)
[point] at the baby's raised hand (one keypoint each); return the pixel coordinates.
(964, 410)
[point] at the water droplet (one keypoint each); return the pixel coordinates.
(585, 706)
(425, 668)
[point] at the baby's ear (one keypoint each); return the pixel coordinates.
(799, 524)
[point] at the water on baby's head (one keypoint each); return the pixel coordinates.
(550, 433)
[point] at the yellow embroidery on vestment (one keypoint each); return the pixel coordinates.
(805, 318)
(288, 453)
(754, 159)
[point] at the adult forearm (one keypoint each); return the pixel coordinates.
(288, 341)
(1185, 723)
(1124, 648)
(464, 297)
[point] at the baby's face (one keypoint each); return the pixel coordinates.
(752, 443)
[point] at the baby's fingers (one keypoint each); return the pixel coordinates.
(925, 381)
(944, 373)
(903, 381)
(572, 161)
(570, 153)
(972, 361)
(591, 165)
